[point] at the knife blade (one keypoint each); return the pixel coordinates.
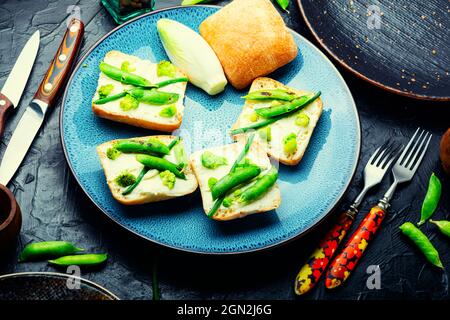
(45, 97)
(15, 83)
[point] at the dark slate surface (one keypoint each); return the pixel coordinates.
(54, 207)
(399, 44)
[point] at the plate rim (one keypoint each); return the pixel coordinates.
(359, 74)
(63, 275)
(319, 221)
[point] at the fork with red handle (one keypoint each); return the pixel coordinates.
(403, 171)
(374, 172)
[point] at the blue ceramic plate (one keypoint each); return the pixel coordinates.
(309, 190)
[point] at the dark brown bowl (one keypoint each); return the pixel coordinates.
(10, 218)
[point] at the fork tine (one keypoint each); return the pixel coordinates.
(415, 165)
(400, 159)
(391, 157)
(376, 154)
(413, 150)
(384, 154)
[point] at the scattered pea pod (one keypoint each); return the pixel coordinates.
(80, 260)
(234, 179)
(124, 76)
(160, 164)
(152, 147)
(422, 242)
(47, 249)
(288, 108)
(443, 225)
(241, 156)
(275, 94)
(431, 200)
(260, 187)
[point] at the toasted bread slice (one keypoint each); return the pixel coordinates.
(257, 155)
(283, 127)
(146, 115)
(151, 188)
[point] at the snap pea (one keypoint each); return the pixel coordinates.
(152, 147)
(111, 98)
(160, 164)
(287, 108)
(422, 242)
(260, 187)
(154, 96)
(91, 259)
(124, 76)
(443, 225)
(47, 249)
(234, 179)
(274, 94)
(431, 200)
(241, 156)
(284, 4)
(144, 170)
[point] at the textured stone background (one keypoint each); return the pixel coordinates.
(54, 207)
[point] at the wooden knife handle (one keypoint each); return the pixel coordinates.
(62, 63)
(5, 107)
(344, 263)
(317, 263)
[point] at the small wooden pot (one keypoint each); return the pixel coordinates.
(10, 218)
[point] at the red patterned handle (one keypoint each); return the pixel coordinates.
(62, 62)
(311, 272)
(346, 261)
(5, 107)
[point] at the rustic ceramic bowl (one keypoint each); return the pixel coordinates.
(10, 218)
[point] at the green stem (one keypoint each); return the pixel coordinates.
(111, 98)
(139, 178)
(171, 81)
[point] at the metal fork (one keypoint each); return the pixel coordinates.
(403, 170)
(374, 172)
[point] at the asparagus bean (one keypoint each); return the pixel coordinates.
(295, 105)
(160, 164)
(260, 187)
(124, 76)
(234, 179)
(154, 96)
(275, 94)
(422, 242)
(139, 178)
(152, 147)
(241, 156)
(171, 81)
(47, 249)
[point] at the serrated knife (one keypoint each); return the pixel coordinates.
(17, 79)
(42, 102)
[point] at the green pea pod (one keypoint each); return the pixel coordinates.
(241, 156)
(154, 96)
(284, 4)
(233, 179)
(160, 164)
(85, 260)
(275, 94)
(422, 242)
(152, 147)
(443, 225)
(260, 187)
(431, 200)
(124, 76)
(48, 249)
(288, 108)
(111, 98)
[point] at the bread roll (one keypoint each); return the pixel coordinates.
(250, 40)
